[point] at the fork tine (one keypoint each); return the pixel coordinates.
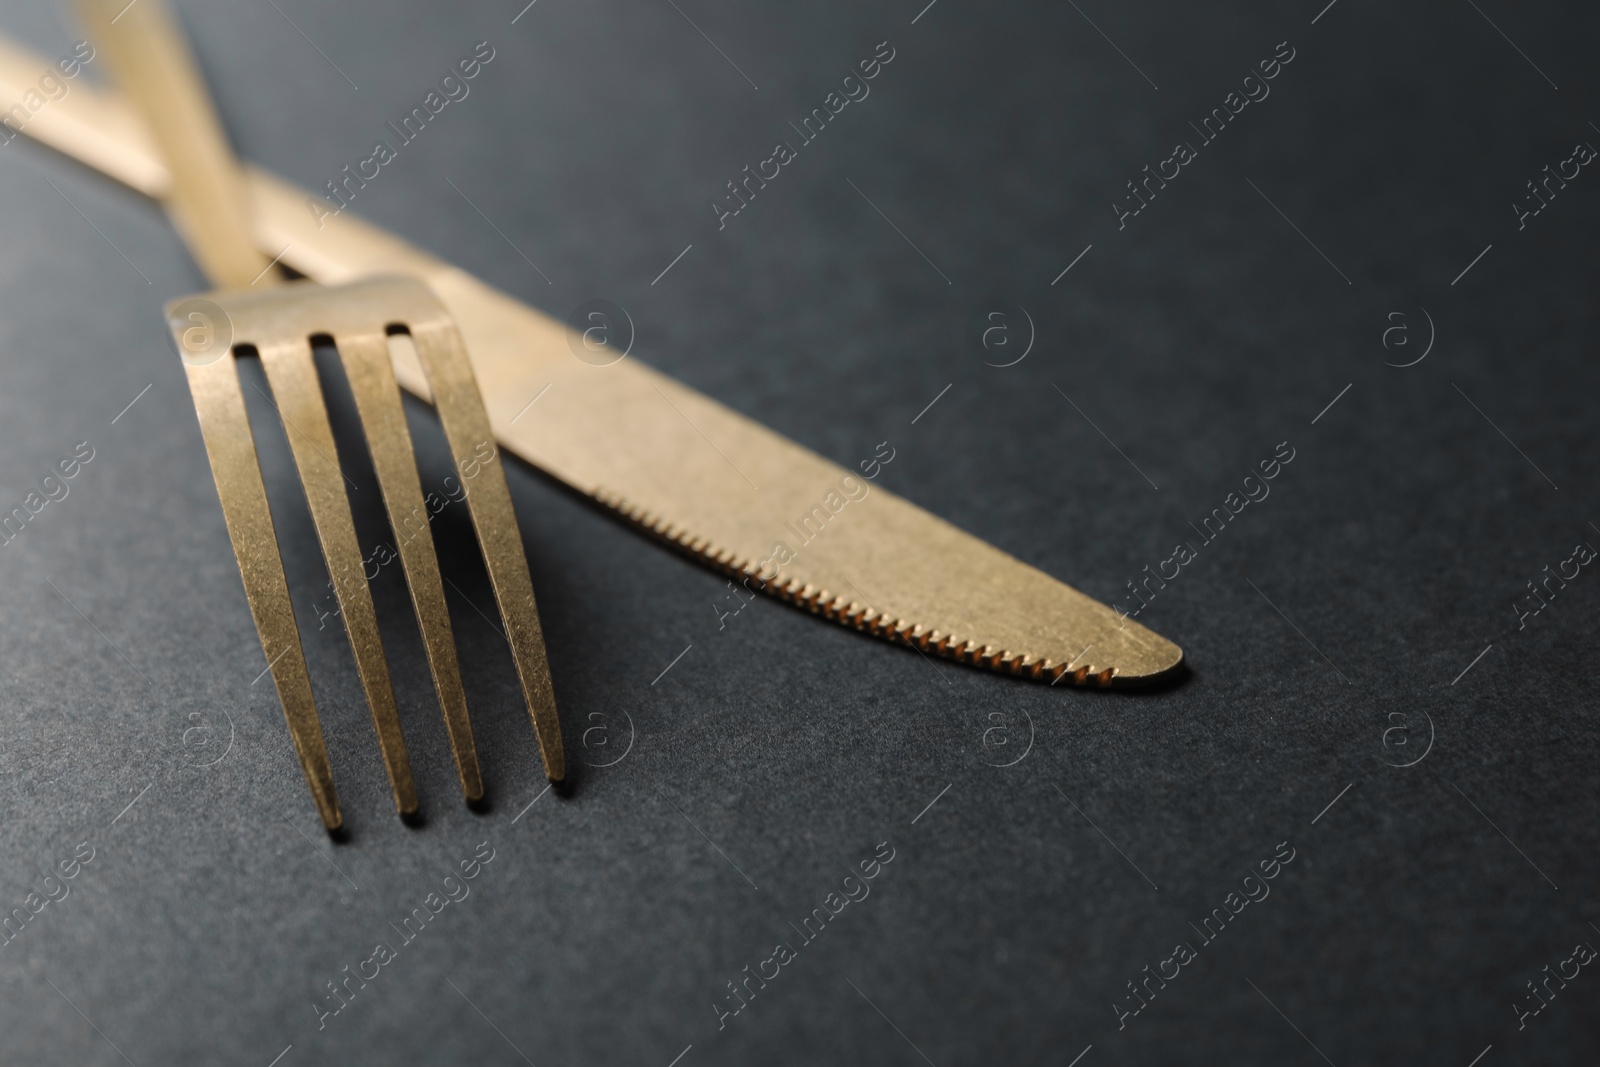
(370, 370)
(466, 427)
(219, 404)
(298, 396)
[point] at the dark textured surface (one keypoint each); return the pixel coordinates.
(1008, 923)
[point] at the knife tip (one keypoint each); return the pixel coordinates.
(1153, 661)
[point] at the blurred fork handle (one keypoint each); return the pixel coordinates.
(207, 197)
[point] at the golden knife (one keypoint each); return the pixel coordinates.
(715, 484)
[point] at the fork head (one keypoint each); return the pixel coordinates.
(362, 319)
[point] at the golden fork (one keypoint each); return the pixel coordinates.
(257, 313)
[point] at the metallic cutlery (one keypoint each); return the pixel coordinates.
(257, 314)
(652, 450)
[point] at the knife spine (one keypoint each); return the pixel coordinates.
(842, 609)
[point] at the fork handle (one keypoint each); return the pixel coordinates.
(208, 199)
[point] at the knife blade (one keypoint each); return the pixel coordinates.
(671, 461)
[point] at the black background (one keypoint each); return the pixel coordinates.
(1017, 907)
